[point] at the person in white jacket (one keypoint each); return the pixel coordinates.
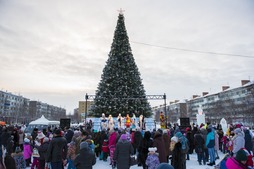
(238, 140)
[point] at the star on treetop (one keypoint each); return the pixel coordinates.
(121, 11)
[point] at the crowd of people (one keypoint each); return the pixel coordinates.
(79, 148)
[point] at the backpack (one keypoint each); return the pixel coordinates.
(187, 148)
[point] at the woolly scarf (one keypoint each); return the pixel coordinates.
(182, 139)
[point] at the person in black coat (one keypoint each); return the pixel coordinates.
(190, 138)
(86, 157)
(42, 149)
(123, 151)
(57, 150)
(69, 134)
(136, 142)
(143, 148)
(178, 159)
(9, 162)
(199, 143)
(248, 140)
(10, 145)
(5, 136)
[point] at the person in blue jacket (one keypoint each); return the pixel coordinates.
(210, 143)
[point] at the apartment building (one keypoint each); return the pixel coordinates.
(13, 108)
(18, 109)
(236, 105)
(37, 109)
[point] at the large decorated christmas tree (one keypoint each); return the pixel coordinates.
(120, 89)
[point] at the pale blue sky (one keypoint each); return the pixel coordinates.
(55, 50)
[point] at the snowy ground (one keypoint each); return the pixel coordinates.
(191, 164)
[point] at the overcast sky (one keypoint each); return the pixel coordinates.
(55, 50)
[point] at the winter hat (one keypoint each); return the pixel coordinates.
(46, 139)
(241, 155)
(238, 125)
(179, 134)
(175, 139)
(210, 126)
(57, 132)
(165, 166)
(123, 137)
(40, 135)
(83, 144)
(152, 149)
(237, 131)
(26, 140)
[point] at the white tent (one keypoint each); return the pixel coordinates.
(41, 120)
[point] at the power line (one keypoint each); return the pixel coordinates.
(194, 51)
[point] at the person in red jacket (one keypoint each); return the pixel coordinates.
(105, 150)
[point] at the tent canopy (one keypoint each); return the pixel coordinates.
(41, 120)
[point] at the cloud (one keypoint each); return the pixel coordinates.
(56, 50)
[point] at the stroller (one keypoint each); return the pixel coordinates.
(112, 161)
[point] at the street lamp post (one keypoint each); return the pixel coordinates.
(165, 109)
(86, 107)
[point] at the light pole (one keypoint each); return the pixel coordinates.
(165, 109)
(86, 107)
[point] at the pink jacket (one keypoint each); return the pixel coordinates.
(232, 163)
(27, 151)
(112, 140)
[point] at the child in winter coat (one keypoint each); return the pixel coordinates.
(105, 150)
(27, 151)
(230, 145)
(152, 160)
(90, 144)
(36, 154)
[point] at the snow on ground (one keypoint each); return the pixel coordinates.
(191, 164)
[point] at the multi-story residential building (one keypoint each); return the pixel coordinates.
(235, 105)
(13, 108)
(37, 109)
(18, 109)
